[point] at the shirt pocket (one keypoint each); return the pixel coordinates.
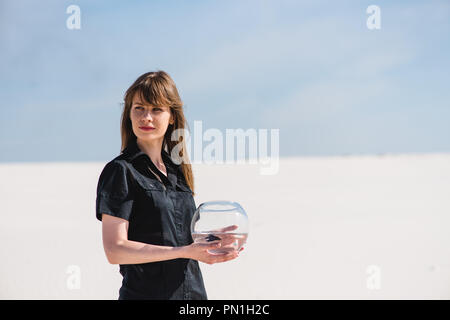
(156, 191)
(153, 192)
(148, 184)
(152, 206)
(183, 188)
(185, 198)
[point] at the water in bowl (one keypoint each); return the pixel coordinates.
(230, 241)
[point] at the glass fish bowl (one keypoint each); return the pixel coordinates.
(225, 221)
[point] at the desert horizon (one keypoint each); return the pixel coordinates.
(340, 227)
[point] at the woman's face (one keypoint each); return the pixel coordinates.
(149, 122)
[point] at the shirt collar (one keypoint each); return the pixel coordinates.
(132, 153)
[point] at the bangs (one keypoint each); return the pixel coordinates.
(153, 93)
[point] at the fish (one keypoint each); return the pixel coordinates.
(212, 237)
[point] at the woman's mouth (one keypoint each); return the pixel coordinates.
(147, 128)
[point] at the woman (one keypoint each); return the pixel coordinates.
(145, 200)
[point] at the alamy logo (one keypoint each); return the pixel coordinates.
(220, 149)
(374, 20)
(73, 22)
(73, 281)
(373, 281)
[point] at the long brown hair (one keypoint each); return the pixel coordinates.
(158, 89)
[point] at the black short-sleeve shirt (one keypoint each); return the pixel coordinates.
(158, 212)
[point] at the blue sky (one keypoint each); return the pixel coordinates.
(309, 68)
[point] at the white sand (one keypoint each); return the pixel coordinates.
(316, 227)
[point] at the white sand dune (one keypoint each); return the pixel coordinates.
(316, 228)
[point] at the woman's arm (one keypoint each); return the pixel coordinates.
(120, 250)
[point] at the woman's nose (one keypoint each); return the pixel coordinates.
(148, 115)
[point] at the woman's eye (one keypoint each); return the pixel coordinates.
(140, 108)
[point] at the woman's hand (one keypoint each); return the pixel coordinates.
(226, 239)
(219, 239)
(199, 251)
(226, 229)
